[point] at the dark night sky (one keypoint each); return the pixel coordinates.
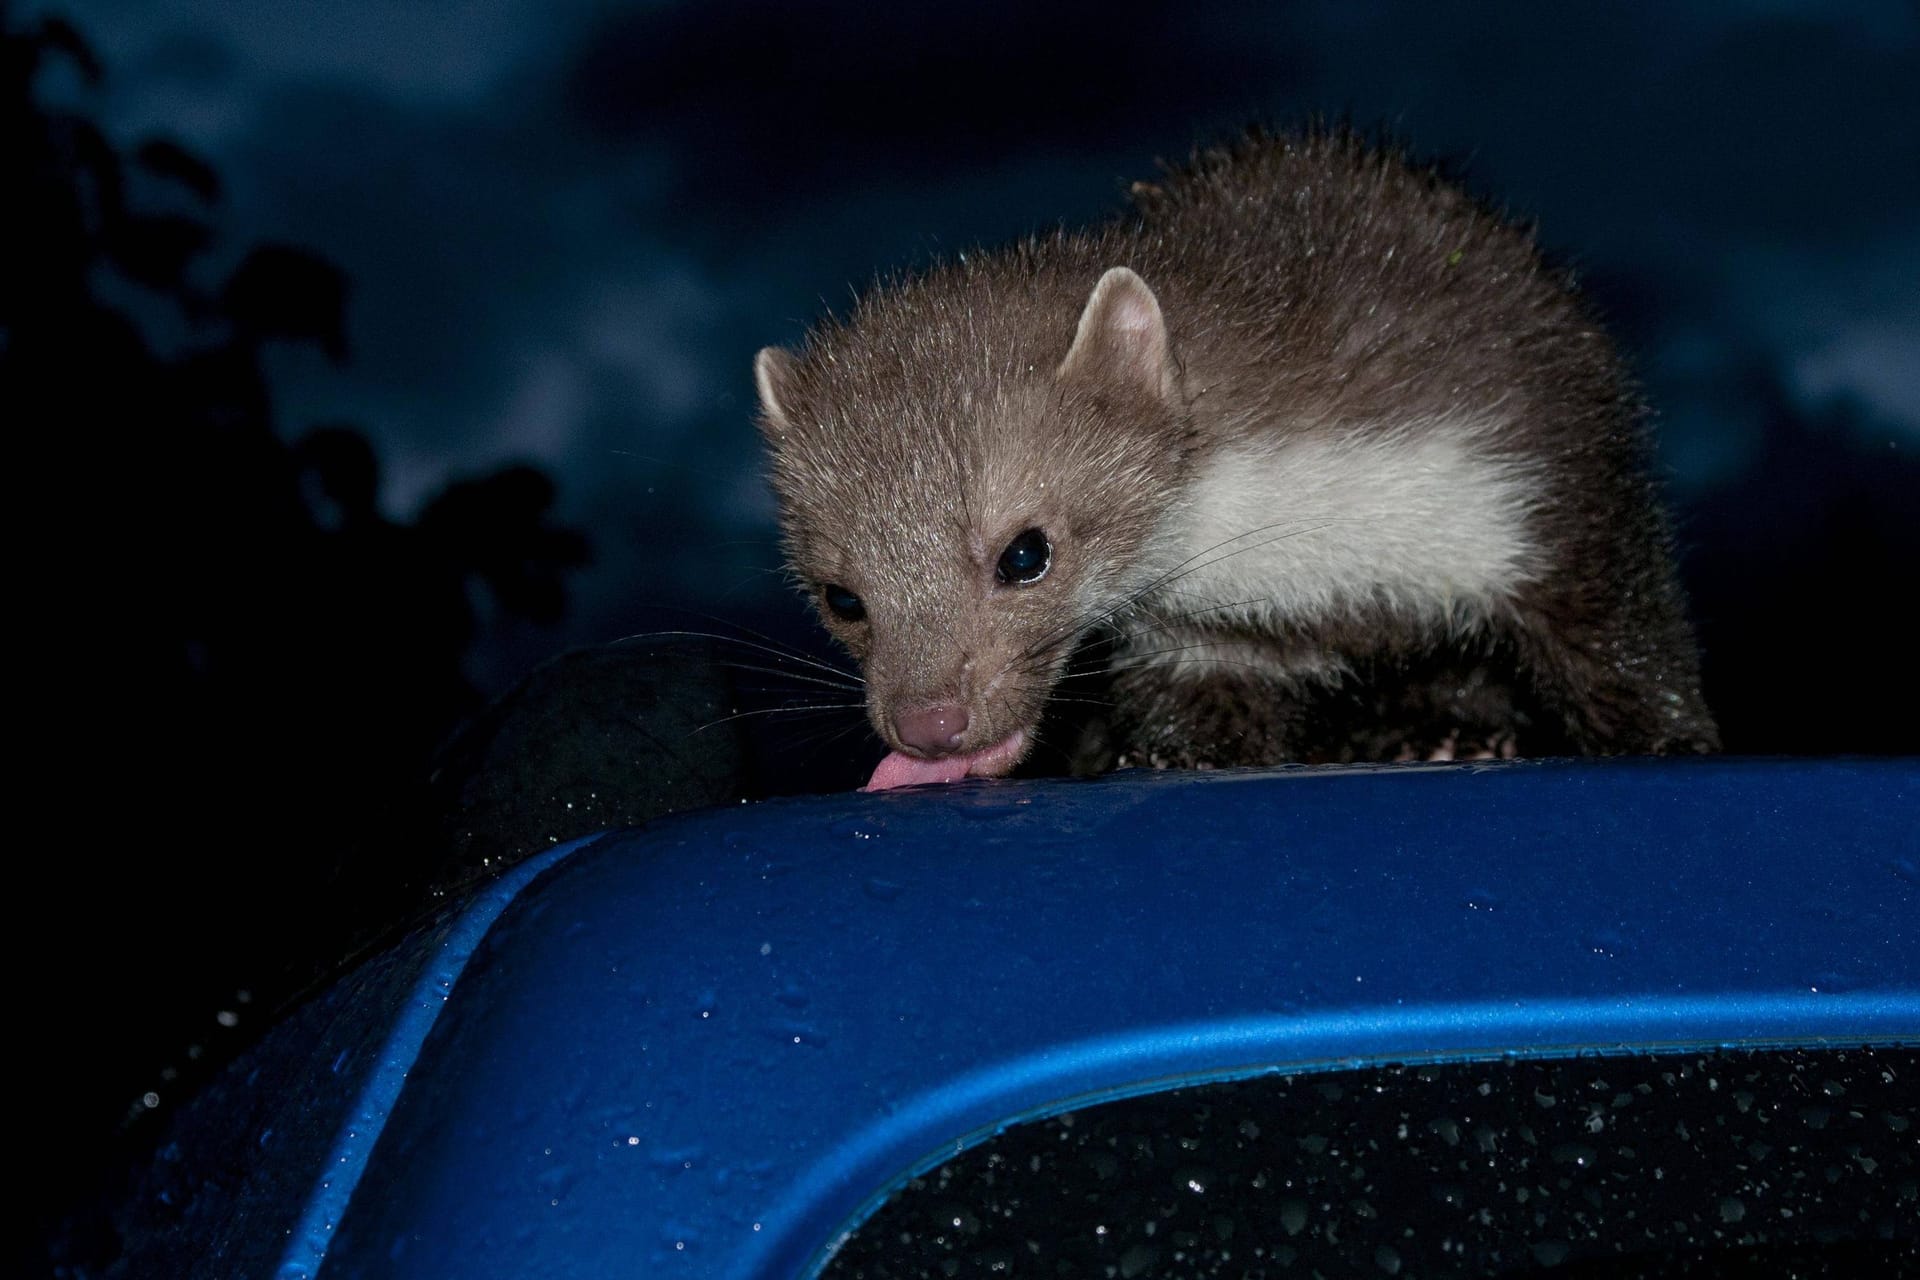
(569, 225)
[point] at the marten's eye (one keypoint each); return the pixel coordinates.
(845, 605)
(1025, 559)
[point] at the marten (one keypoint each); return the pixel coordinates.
(1310, 449)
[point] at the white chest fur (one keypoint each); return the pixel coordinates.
(1420, 518)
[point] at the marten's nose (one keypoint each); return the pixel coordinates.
(935, 730)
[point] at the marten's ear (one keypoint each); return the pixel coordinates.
(1122, 337)
(773, 375)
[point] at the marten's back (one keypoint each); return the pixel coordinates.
(1337, 281)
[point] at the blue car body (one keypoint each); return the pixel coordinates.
(713, 1046)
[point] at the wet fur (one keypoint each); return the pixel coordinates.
(1386, 486)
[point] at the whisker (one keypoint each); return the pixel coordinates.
(1215, 662)
(774, 711)
(1080, 701)
(1186, 567)
(1152, 657)
(1090, 665)
(824, 736)
(1167, 622)
(845, 682)
(783, 654)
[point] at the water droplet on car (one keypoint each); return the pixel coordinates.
(1605, 942)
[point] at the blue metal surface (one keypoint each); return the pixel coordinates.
(378, 1086)
(705, 1048)
(259, 1165)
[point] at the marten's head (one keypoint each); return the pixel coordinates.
(968, 482)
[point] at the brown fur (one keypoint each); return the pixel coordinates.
(1307, 284)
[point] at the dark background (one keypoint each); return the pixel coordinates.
(357, 356)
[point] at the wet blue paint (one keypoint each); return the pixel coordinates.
(707, 1047)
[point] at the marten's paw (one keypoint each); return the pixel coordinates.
(1456, 746)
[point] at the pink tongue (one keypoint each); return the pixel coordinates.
(899, 770)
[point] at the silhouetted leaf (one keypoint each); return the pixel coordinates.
(284, 292)
(154, 248)
(497, 527)
(96, 171)
(167, 159)
(60, 36)
(339, 474)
